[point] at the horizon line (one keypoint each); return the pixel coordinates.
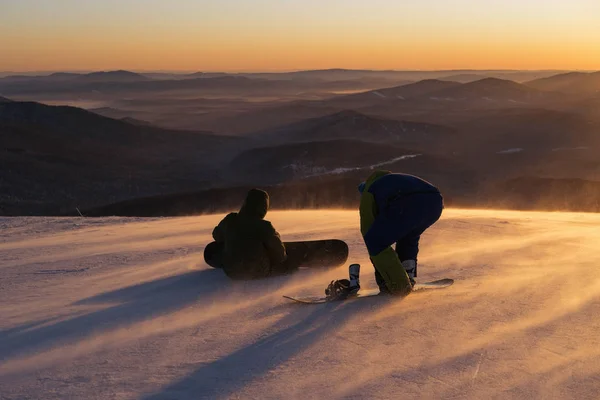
(284, 71)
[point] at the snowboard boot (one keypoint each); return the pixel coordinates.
(410, 266)
(383, 289)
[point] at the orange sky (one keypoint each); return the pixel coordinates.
(251, 35)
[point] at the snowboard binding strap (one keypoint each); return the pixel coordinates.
(343, 288)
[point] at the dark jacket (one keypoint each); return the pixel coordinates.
(251, 246)
(382, 188)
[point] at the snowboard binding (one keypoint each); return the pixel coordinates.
(341, 289)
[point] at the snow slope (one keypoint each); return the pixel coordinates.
(125, 309)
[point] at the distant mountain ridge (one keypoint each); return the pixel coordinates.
(319, 81)
(58, 157)
(58, 117)
(480, 90)
(119, 82)
(112, 76)
(290, 127)
(490, 89)
(401, 92)
(289, 161)
(353, 125)
(99, 76)
(572, 82)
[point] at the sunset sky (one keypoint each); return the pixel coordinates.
(251, 35)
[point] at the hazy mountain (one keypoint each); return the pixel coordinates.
(4, 100)
(329, 190)
(429, 101)
(112, 76)
(63, 75)
(55, 158)
(529, 129)
(55, 77)
(463, 78)
(4, 74)
(111, 112)
(324, 75)
(572, 82)
(200, 74)
(353, 125)
(588, 107)
(135, 121)
(432, 101)
(439, 95)
(458, 134)
(398, 75)
(183, 75)
(122, 82)
(518, 76)
(100, 76)
(71, 125)
(402, 92)
(273, 164)
(72, 120)
(163, 75)
(270, 116)
(314, 75)
(70, 84)
(491, 89)
(125, 84)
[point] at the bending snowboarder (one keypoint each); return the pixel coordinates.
(394, 208)
(246, 245)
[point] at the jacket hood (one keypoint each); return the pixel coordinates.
(256, 204)
(373, 177)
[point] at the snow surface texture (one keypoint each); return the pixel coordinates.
(510, 151)
(126, 308)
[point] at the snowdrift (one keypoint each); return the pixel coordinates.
(126, 309)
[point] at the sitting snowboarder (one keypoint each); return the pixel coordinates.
(394, 208)
(246, 245)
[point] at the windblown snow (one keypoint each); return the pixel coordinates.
(126, 309)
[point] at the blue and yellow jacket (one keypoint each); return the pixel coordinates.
(381, 188)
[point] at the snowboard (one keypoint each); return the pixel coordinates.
(307, 254)
(438, 284)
